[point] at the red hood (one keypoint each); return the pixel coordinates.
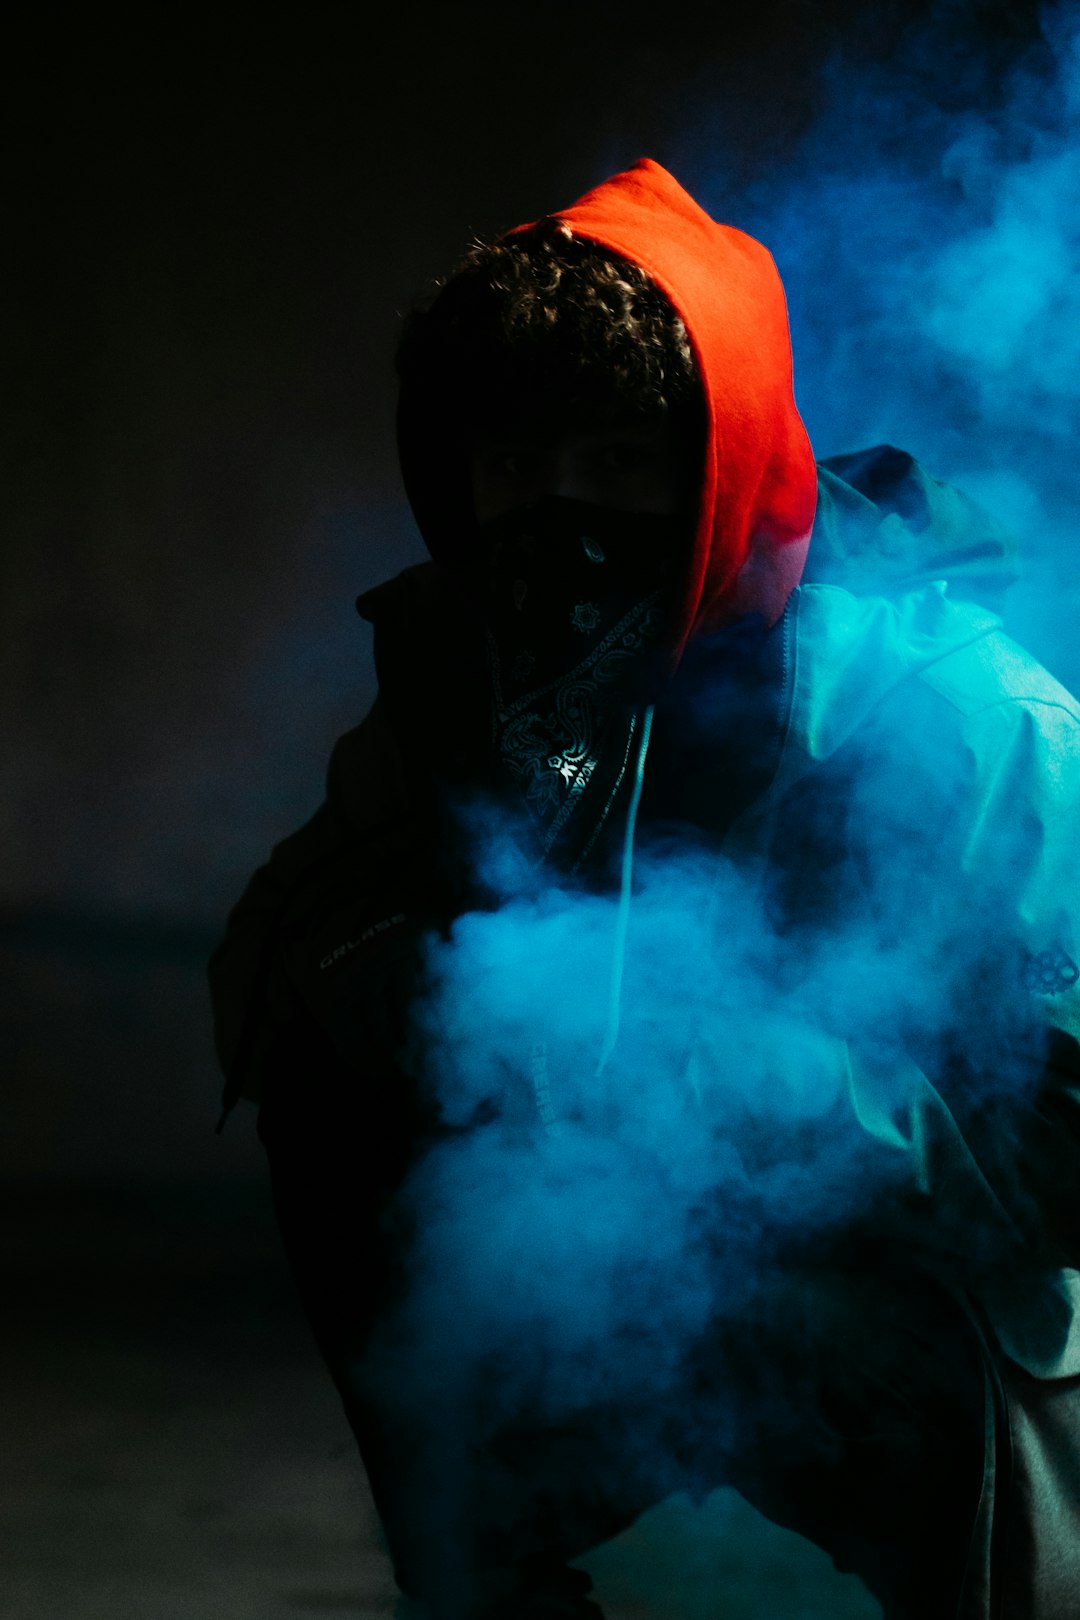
(759, 485)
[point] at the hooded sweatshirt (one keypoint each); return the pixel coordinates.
(755, 508)
(610, 595)
(883, 528)
(878, 660)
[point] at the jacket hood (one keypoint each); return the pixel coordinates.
(758, 482)
(885, 527)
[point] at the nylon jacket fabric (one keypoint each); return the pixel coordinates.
(324, 929)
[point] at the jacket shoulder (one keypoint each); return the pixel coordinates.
(994, 672)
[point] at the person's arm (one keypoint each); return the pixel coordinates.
(910, 1070)
(254, 1004)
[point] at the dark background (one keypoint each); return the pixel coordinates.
(212, 222)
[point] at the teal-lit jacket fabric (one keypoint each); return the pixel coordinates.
(956, 761)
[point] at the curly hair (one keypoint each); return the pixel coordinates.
(545, 321)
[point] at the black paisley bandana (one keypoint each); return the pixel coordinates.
(573, 596)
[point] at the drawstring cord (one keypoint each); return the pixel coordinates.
(622, 920)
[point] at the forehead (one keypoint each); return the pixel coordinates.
(552, 421)
(553, 380)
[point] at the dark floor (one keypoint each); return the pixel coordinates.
(174, 1451)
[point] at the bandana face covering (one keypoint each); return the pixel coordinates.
(573, 597)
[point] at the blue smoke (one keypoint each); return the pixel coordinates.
(762, 1100)
(760, 1096)
(930, 260)
(760, 1091)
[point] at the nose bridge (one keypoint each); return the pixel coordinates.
(565, 471)
(552, 470)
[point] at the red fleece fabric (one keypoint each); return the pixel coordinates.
(759, 482)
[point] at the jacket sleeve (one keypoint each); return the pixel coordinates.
(985, 1117)
(941, 1027)
(255, 1005)
(1017, 926)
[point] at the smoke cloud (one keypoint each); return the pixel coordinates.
(927, 232)
(770, 1078)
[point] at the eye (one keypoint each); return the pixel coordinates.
(624, 456)
(510, 464)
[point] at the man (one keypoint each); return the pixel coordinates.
(667, 675)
